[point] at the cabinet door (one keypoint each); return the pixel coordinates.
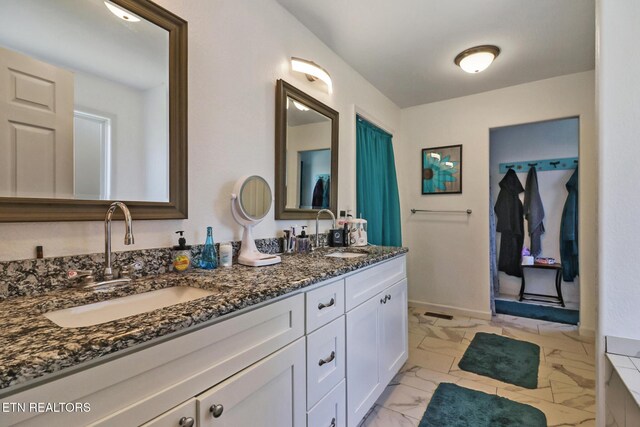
(394, 331)
(181, 416)
(269, 393)
(363, 375)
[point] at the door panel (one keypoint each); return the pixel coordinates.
(363, 379)
(394, 339)
(269, 393)
(36, 128)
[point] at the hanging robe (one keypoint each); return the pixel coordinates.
(569, 231)
(510, 224)
(533, 211)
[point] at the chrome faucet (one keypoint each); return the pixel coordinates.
(333, 218)
(128, 236)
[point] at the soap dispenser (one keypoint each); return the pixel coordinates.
(303, 242)
(181, 254)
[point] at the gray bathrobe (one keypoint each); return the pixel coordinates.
(533, 211)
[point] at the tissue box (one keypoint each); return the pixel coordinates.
(527, 260)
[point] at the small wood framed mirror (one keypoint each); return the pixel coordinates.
(306, 155)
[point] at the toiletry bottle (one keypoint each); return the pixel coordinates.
(181, 255)
(209, 258)
(226, 254)
(303, 243)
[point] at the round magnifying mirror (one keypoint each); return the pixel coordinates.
(250, 203)
(255, 197)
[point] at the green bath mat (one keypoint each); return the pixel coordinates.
(504, 359)
(536, 311)
(455, 406)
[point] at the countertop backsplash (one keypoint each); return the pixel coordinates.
(37, 276)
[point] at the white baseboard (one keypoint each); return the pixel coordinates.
(447, 309)
(586, 332)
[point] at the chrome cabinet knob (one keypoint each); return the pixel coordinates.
(216, 410)
(328, 359)
(329, 304)
(333, 422)
(186, 422)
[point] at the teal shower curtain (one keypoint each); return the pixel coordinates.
(376, 184)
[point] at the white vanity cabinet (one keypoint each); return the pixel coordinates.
(377, 342)
(318, 358)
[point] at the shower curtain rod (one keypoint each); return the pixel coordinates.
(468, 211)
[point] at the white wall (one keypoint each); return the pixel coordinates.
(448, 262)
(156, 143)
(618, 79)
(125, 106)
(538, 141)
(237, 51)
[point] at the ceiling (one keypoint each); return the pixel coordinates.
(82, 35)
(406, 48)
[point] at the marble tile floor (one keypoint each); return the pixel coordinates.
(566, 378)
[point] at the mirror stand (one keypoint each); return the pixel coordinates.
(249, 253)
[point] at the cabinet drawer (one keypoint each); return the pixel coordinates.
(325, 360)
(324, 305)
(331, 410)
(362, 286)
(181, 416)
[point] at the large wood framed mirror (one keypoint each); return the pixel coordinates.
(93, 108)
(306, 155)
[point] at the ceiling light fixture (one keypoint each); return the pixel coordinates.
(477, 59)
(312, 70)
(125, 15)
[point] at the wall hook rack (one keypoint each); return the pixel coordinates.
(540, 165)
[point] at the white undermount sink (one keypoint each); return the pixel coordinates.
(345, 255)
(118, 308)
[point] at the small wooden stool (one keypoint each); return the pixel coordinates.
(558, 268)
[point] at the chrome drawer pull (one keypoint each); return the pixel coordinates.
(328, 359)
(186, 422)
(333, 422)
(216, 410)
(329, 304)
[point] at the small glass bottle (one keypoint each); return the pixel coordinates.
(209, 258)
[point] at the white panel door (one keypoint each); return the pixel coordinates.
(36, 128)
(394, 333)
(267, 394)
(363, 375)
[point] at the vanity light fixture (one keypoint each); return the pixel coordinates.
(121, 13)
(300, 106)
(312, 70)
(477, 59)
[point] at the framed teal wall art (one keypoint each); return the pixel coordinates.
(442, 170)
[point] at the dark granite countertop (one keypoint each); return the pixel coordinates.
(31, 346)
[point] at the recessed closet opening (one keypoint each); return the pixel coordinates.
(534, 220)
